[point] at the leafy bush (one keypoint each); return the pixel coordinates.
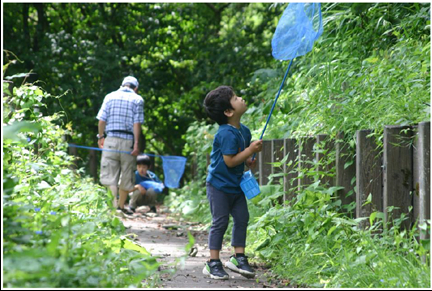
(310, 242)
(58, 230)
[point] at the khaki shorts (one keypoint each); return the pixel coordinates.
(115, 166)
(148, 199)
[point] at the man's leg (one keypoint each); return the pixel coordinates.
(110, 168)
(128, 166)
(123, 197)
(114, 192)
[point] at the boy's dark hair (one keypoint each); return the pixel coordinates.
(217, 101)
(143, 160)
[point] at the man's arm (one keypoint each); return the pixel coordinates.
(101, 130)
(136, 132)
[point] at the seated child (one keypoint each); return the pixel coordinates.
(148, 185)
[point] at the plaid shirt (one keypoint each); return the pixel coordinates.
(120, 110)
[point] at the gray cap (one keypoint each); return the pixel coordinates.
(130, 80)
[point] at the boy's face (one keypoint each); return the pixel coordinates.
(238, 104)
(142, 169)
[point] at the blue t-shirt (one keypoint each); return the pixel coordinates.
(149, 181)
(150, 177)
(228, 141)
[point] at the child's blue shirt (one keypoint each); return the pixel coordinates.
(150, 177)
(149, 181)
(228, 141)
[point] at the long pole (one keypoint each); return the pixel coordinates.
(274, 103)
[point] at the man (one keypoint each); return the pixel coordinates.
(120, 116)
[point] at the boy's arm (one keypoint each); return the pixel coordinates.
(234, 160)
(140, 188)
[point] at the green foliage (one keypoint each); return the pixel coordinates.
(310, 242)
(58, 230)
(178, 52)
(357, 76)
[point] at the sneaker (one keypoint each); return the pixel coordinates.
(215, 270)
(240, 265)
(125, 211)
(152, 209)
(132, 209)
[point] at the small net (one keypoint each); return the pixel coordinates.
(297, 30)
(173, 168)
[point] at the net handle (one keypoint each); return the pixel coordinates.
(274, 103)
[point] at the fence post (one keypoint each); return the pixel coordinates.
(278, 155)
(265, 158)
(73, 151)
(306, 158)
(93, 164)
(290, 168)
(398, 172)
(194, 168)
(369, 176)
(424, 174)
(324, 146)
(345, 174)
(416, 175)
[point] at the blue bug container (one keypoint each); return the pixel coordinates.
(249, 185)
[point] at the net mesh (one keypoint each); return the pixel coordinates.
(173, 168)
(297, 30)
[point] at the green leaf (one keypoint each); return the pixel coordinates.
(10, 132)
(372, 217)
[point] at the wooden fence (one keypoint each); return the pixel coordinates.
(397, 176)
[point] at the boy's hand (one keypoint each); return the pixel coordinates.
(141, 189)
(251, 164)
(256, 146)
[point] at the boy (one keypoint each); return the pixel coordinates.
(231, 149)
(142, 196)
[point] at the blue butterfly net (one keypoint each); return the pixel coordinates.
(297, 30)
(173, 168)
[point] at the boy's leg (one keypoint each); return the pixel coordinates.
(219, 207)
(239, 263)
(149, 199)
(240, 216)
(138, 199)
(133, 203)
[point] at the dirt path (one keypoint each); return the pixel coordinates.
(168, 245)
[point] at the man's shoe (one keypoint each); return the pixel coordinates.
(215, 270)
(240, 265)
(152, 209)
(132, 209)
(125, 211)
